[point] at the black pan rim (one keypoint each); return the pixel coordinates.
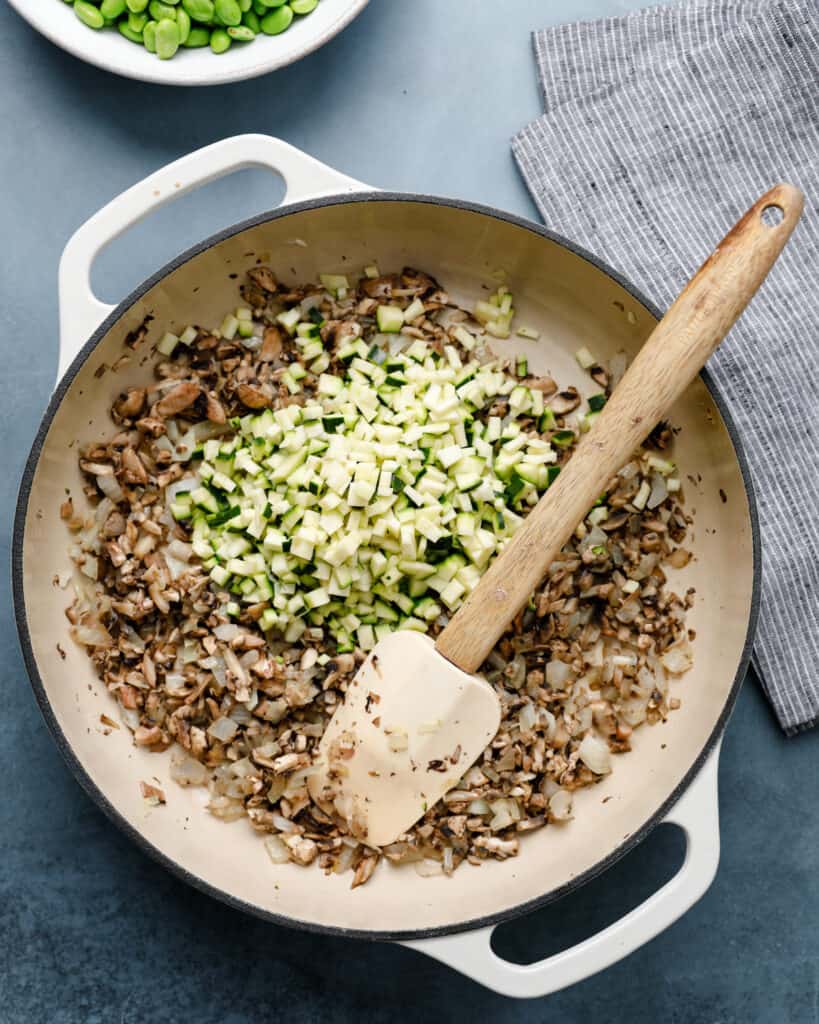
(84, 778)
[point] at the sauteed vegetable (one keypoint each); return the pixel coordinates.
(335, 461)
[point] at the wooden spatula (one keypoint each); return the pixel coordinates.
(415, 717)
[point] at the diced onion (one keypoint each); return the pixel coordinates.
(223, 729)
(226, 631)
(560, 805)
(527, 719)
(110, 487)
(283, 824)
(633, 710)
(429, 868)
(677, 659)
(595, 754)
(658, 492)
(557, 673)
(92, 634)
(187, 771)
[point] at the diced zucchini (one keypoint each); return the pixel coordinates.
(390, 319)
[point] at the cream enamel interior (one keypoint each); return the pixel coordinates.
(572, 303)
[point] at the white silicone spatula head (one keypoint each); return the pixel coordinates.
(414, 718)
(410, 726)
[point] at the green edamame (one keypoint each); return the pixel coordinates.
(251, 19)
(228, 12)
(277, 20)
(183, 23)
(126, 30)
(164, 26)
(197, 37)
(220, 41)
(88, 14)
(149, 36)
(159, 11)
(167, 38)
(112, 8)
(198, 10)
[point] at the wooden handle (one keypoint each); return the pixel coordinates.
(667, 363)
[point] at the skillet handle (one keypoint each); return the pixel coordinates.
(81, 312)
(697, 814)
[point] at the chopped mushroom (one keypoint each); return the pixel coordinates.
(564, 402)
(253, 397)
(263, 278)
(131, 404)
(177, 399)
(272, 344)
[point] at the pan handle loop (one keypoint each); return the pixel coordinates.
(81, 312)
(697, 814)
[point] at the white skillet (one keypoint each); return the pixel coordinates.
(574, 300)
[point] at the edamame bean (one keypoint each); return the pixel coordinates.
(88, 14)
(251, 19)
(228, 12)
(163, 26)
(159, 10)
(219, 40)
(198, 10)
(128, 32)
(183, 23)
(277, 20)
(167, 38)
(197, 37)
(149, 36)
(112, 8)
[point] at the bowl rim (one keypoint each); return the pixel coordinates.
(166, 72)
(38, 686)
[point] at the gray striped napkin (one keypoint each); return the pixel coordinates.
(660, 128)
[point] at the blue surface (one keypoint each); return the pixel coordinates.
(420, 96)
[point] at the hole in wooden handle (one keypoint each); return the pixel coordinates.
(772, 214)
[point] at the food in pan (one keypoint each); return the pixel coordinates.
(336, 461)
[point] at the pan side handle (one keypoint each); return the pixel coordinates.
(697, 814)
(81, 312)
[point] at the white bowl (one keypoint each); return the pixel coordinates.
(107, 49)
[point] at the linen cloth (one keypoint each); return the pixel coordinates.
(660, 128)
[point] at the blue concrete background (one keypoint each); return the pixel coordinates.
(420, 96)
